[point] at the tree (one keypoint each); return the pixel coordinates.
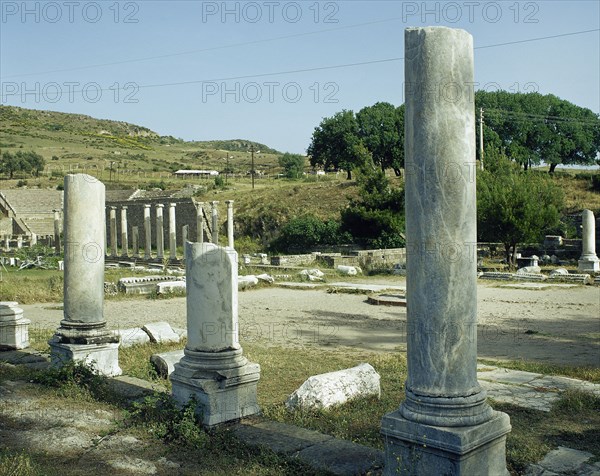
(376, 219)
(531, 128)
(21, 162)
(381, 128)
(307, 233)
(514, 206)
(293, 164)
(336, 144)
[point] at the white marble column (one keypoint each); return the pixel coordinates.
(147, 233)
(124, 234)
(57, 246)
(445, 425)
(82, 334)
(135, 241)
(588, 262)
(213, 368)
(215, 222)
(7, 242)
(113, 231)
(199, 223)
(19, 242)
(230, 242)
(172, 232)
(160, 234)
(185, 230)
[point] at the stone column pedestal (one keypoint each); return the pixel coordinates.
(213, 369)
(588, 262)
(14, 329)
(445, 425)
(82, 335)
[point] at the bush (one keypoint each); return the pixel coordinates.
(596, 182)
(155, 184)
(305, 233)
(21, 183)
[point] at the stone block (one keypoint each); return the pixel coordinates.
(164, 363)
(161, 332)
(104, 358)
(573, 278)
(14, 329)
(336, 388)
(170, 286)
(133, 336)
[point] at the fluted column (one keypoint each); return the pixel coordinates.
(215, 222)
(199, 223)
(124, 234)
(172, 232)
(588, 262)
(113, 231)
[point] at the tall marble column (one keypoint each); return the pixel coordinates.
(147, 233)
(82, 335)
(445, 425)
(160, 234)
(135, 241)
(185, 230)
(113, 231)
(172, 232)
(215, 222)
(230, 242)
(124, 234)
(588, 262)
(199, 223)
(57, 231)
(19, 242)
(213, 369)
(7, 242)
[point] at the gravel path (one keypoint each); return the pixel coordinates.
(554, 325)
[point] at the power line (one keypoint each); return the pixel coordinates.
(519, 115)
(202, 50)
(293, 71)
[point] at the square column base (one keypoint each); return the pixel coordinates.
(104, 358)
(417, 449)
(228, 396)
(14, 335)
(588, 266)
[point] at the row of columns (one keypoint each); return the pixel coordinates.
(160, 244)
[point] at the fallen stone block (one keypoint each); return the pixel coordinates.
(164, 363)
(347, 270)
(265, 277)
(170, 286)
(133, 336)
(573, 278)
(559, 272)
(142, 284)
(336, 388)
(529, 276)
(529, 270)
(161, 332)
(245, 282)
(497, 275)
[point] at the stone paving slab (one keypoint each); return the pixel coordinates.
(279, 437)
(565, 461)
(376, 288)
(320, 451)
(537, 285)
(521, 396)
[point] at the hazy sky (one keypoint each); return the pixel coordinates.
(207, 70)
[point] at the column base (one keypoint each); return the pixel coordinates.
(104, 358)
(222, 395)
(14, 335)
(419, 449)
(590, 265)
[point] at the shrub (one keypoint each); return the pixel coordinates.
(308, 232)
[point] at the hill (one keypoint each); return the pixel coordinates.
(78, 142)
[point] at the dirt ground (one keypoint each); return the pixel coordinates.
(558, 325)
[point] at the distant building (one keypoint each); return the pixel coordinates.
(195, 173)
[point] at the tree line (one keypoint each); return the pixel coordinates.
(527, 128)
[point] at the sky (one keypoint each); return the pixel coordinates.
(270, 71)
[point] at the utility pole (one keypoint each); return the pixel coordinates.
(252, 171)
(111, 169)
(481, 138)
